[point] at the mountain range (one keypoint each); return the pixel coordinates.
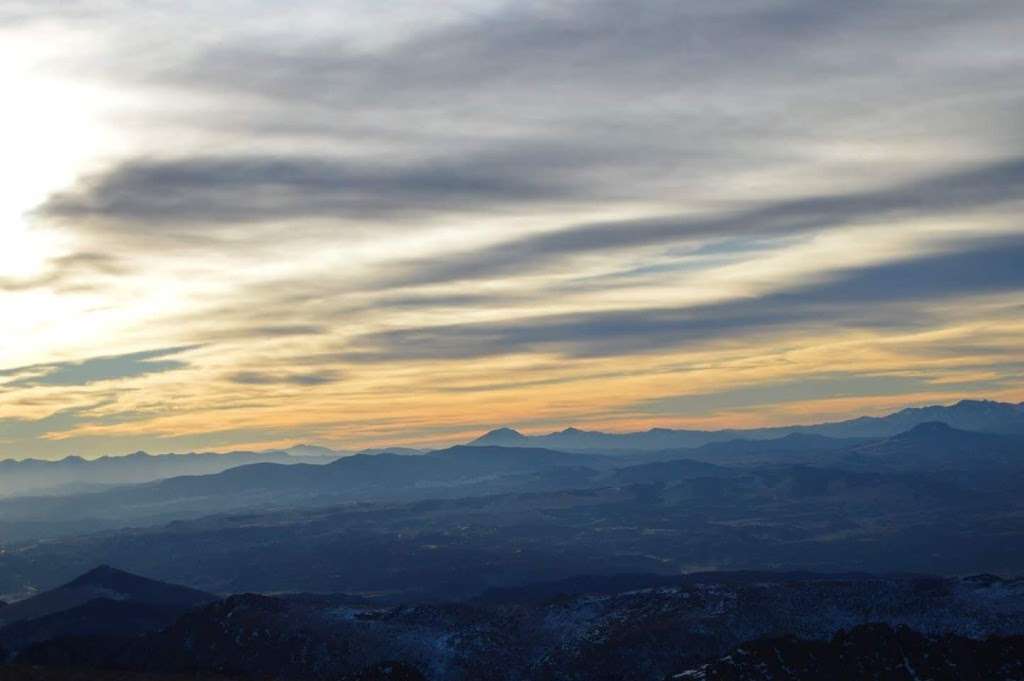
(462, 520)
(457, 471)
(945, 466)
(74, 474)
(77, 475)
(975, 415)
(795, 551)
(935, 449)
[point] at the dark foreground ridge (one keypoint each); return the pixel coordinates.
(874, 652)
(700, 628)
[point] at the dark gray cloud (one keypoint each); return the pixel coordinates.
(532, 105)
(96, 369)
(283, 378)
(577, 56)
(273, 330)
(16, 429)
(995, 183)
(230, 324)
(195, 196)
(876, 296)
(644, 102)
(450, 300)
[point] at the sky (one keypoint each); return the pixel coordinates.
(249, 223)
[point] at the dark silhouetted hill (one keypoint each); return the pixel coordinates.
(104, 583)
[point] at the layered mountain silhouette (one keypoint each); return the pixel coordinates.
(515, 515)
(78, 478)
(793, 448)
(976, 415)
(458, 471)
(930, 469)
(784, 554)
(936, 446)
(75, 474)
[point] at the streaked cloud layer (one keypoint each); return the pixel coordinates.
(245, 223)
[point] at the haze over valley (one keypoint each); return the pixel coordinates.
(869, 528)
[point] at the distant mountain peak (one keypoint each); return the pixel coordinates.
(988, 406)
(942, 432)
(966, 416)
(500, 436)
(938, 433)
(930, 428)
(505, 432)
(305, 449)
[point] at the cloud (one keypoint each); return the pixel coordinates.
(73, 271)
(308, 188)
(959, 190)
(97, 369)
(230, 325)
(195, 196)
(576, 56)
(274, 330)
(268, 378)
(804, 389)
(887, 295)
(18, 429)
(522, 109)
